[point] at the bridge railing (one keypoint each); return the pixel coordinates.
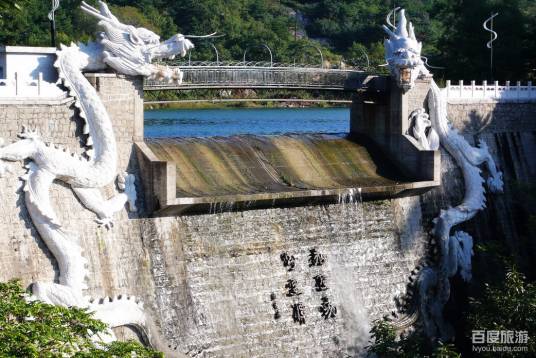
(493, 91)
(265, 64)
(262, 77)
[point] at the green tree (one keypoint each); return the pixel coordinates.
(510, 306)
(35, 329)
(386, 344)
(451, 30)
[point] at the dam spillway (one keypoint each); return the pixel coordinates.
(257, 164)
(251, 169)
(208, 279)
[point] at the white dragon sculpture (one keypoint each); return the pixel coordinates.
(403, 52)
(455, 251)
(422, 125)
(129, 51)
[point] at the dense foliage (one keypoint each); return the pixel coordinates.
(450, 29)
(510, 306)
(506, 306)
(386, 344)
(35, 329)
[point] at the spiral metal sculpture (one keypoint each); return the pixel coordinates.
(493, 37)
(55, 6)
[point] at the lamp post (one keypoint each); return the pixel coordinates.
(493, 37)
(52, 18)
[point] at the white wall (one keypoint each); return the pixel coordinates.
(28, 62)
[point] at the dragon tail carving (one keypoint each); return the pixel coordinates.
(63, 245)
(455, 250)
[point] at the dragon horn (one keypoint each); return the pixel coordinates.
(388, 17)
(98, 14)
(411, 32)
(104, 10)
(93, 12)
(391, 34)
(402, 30)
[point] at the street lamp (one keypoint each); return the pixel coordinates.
(52, 18)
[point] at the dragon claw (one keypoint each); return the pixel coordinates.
(107, 222)
(5, 169)
(126, 183)
(28, 133)
(121, 181)
(495, 183)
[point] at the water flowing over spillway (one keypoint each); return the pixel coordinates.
(254, 164)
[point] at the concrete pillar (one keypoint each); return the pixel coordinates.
(381, 112)
(123, 98)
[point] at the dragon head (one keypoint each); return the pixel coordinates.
(131, 50)
(403, 52)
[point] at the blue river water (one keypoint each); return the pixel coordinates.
(261, 121)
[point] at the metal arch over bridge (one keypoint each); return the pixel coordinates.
(243, 75)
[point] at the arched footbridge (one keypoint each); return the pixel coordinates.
(262, 75)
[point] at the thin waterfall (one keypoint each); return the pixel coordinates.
(353, 198)
(361, 211)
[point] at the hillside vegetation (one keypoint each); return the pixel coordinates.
(450, 29)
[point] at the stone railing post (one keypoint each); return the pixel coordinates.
(39, 82)
(17, 83)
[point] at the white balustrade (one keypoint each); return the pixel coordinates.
(495, 91)
(28, 88)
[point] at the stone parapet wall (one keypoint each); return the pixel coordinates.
(473, 117)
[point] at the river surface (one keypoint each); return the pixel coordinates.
(260, 121)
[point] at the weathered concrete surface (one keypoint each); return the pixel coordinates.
(492, 116)
(215, 275)
(251, 164)
(382, 113)
(198, 174)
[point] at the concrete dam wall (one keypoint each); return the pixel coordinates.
(299, 279)
(509, 129)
